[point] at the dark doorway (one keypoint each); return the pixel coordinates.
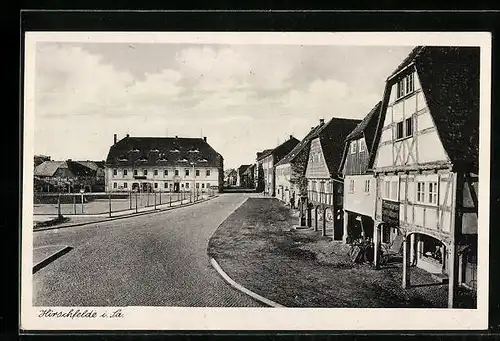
(176, 187)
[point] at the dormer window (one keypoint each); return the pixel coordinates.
(174, 150)
(405, 86)
(182, 160)
(154, 150)
(202, 160)
(122, 158)
(143, 159)
(193, 151)
(135, 150)
(353, 147)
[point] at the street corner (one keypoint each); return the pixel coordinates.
(44, 255)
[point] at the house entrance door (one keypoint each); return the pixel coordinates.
(176, 187)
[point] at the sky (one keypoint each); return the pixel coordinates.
(243, 98)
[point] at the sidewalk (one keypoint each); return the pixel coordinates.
(258, 248)
(42, 222)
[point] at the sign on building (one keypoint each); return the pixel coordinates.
(390, 212)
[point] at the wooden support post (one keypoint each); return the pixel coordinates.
(59, 205)
(147, 203)
(345, 222)
(109, 201)
(315, 219)
(130, 198)
(323, 233)
(136, 206)
(406, 262)
(452, 275)
(155, 199)
(412, 249)
(160, 196)
(74, 203)
(170, 200)
(376, 245)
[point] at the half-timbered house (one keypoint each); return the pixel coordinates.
(325, 185)
(426, 163)
(359, 183)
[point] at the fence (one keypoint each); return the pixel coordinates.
(112, 202)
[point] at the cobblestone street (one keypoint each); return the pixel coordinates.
(152, 260)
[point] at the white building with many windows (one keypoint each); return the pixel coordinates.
(167, 164)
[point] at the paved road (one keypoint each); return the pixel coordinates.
(153, 260)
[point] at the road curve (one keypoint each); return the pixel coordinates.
(150, 260)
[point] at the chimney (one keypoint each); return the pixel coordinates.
(321, 121)
(176, 137)
(291, 137)
(312, 128)
(114, 139)
(128, 135)
(205, 138)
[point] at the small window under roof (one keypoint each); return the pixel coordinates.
(134, 150)
(194, 150)
(182, 160)
(154, 150)
(202, 160)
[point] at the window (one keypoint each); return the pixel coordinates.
(394, 190)
(197, 185)
(135, 171)
(433, 193)
(387, 189)
(115, 171)
(182, 185)
(125, 172)
(197, 172)
(125, 185)
(420, 192)
(353, 147)
(165, 185)
(351, 186)
(156, 185)
(208, 185)
(399, 130)
(187, 184)
(367, 186)
(409, 127)
(405, 86)
(176, 172)
(165, 172)
(202, 185)
(187, 172)
(115, 185)
(155, 172)
(145, 172)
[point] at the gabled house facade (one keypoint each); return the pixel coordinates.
(268, 160)
(239, 173)
(230, 177)
(359, 183)
(426, 163)
(291, 182)
(324, 181)
(168, 164)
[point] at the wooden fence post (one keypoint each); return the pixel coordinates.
(130, 198)
(155, 200)
(59, 205)
(136, 206)
(74, 203)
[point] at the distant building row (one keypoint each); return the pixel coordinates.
(407, 173)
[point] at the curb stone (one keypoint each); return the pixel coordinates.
(241, 288)
(123, 216)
